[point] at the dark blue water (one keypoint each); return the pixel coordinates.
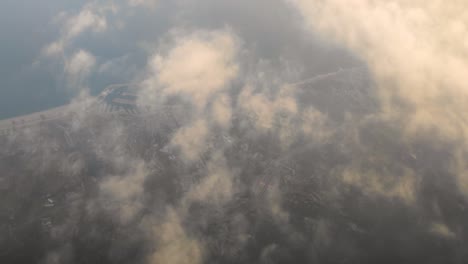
(25, 27)
(29, 83)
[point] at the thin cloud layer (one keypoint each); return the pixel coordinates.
(250, 141)
(404, 49)
(197, 66)
(79, 67)
(92, 17)
(174, 245)
(417, 53)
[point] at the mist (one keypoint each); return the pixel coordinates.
(284, 131)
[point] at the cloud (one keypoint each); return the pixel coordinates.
(192, 139)
(216, 187)
(173, 243)
(213, 191)
(459, 168)
(79, 67)
(54, 49)
(197, 66)
(87, 19)
(416, 52)
(221, 111)
(442, 230)
(402, 186)
(263, 108)
(274, 205)
(244, 124)
(124, 193)
(120, 68)
(78, 63)
(315, 125)
(407, 49)
(92, 17)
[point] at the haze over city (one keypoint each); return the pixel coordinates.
(217, 131)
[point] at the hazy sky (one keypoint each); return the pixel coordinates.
(32, 80)
(356, 107)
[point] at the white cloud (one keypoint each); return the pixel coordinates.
(124, 193)
(417, 52)
(54, 49)
(92, 17)
(192, 139)
(408, 49)
(383, 183)
(197, 66)
(221, 111)
(216, 188)
(314, 125)
(86, 20)
(264, 108)
(120, 67)
(80, 63)
(79, 67)
(174, 245)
